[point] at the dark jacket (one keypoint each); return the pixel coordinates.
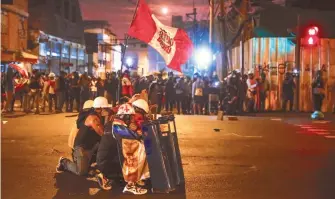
(108, 157)
(35, 82)
(288, 88)
(86, 137)
(74, 84)
(82, 117)
(169, 89)
(111, 85)
(61, 84)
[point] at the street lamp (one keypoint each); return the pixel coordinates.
(203, 58)
(165, 10)
(129, 61)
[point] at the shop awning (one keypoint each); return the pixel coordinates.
(27, 57)
(7, 57)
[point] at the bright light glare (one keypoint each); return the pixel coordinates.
(311, 41)
(165, 10)
(295, 71)
(203, 57)
(129, 61)
(312, 31)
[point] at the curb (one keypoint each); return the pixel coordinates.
(13, 116)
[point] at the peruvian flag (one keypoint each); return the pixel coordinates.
(172, 43)
(20, 68)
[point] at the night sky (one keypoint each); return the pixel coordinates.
(119, 12)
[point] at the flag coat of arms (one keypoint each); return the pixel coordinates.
(172, 43)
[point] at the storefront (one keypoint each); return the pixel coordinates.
(56, 54)
(276, 56)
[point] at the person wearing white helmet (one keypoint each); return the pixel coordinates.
(141, 106)
(87, 140)
(108, 151)
(252, 84)
(88, 105)
(134, 167)
(52, 91)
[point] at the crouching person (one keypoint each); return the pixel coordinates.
(86, 141)
(108, 159)
(134, 166)
(88, 107)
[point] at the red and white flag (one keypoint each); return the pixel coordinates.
(172, 43)
(20, 68)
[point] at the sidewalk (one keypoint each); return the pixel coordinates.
(328, 116)
(13, 114)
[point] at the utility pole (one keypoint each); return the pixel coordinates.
(211, 32)
(194, 15)
(223, 30)
(211, 21)
(297, 60)
(194, 28)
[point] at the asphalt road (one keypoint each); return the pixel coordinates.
(251, 158)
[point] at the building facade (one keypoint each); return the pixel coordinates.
(14, 35)
(56, 35)
(136, 57)
(271, 50)
(101, 45)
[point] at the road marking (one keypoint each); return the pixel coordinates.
(320, 122)
(330, 136)
(322, 133)
(276, 119)
(316, 130)
(306, 127)
(245, 136)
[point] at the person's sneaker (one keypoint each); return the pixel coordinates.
(140, 183)
(134, 189)
(60, 167)
(103, 182)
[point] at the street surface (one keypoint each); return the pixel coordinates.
(263, 157)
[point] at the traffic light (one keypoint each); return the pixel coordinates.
(312, 36)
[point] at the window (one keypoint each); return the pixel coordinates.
(73, 53)
(58, 5)
(66, 51)
(21, 30)
(67, 9)
(44, 49)
(74, 14)
(4, 22)
(81, 54)
(144, 45)
(56, 49)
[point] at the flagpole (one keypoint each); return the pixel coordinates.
(123, 50)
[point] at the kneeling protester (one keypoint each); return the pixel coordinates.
(86, 141)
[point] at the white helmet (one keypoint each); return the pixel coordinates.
(250, 72)
(142, 104)
(88, 104)
(101, 102)
(52, 74)
(126, 109)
